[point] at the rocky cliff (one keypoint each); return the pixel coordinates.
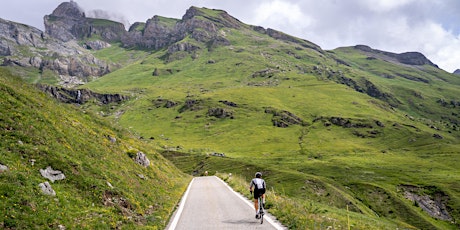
(80, 96)
(68, 22)
(159, 32)
(26, 46)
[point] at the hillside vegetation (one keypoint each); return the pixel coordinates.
(332, 129)
(103, 187)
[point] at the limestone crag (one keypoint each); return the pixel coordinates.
(68, 22)
(26, 46)
(159, 32)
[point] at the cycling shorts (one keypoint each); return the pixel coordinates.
(258, 193)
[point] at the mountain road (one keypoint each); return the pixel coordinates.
(209, 203)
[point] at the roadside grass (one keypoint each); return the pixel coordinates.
(103, 188)
(308, 214)
(365, 183)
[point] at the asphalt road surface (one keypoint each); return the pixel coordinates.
(210, 204)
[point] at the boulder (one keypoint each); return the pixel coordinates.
(142, 159)
(3, 168)
(51, 174)
(47, 189)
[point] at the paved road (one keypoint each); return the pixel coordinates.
(211, 204)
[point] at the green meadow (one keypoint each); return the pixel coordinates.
(322, 167)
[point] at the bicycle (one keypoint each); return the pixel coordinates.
(261, 210)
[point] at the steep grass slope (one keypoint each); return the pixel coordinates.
(103, 187)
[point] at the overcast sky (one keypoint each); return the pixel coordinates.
(431, 27)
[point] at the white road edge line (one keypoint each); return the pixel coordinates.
(181, 207)
(270, 220)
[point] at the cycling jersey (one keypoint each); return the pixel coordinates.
(259, 187)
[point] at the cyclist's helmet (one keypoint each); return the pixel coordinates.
(258, 174)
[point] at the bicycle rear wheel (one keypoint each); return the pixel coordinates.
(261, 210)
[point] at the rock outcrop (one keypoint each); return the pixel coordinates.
(408, 58)
(51, 174)
(69, 22)
(25, 46)
(47, 189)
(159, 32)
(142, 159)
(457, 72)
(80, 96)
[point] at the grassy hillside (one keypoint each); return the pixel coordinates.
(326, 128)
(103, 187)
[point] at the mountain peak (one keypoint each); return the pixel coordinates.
(457, 72)
(219, 17)
(69, 10)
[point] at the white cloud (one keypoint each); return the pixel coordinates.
(280, 14)
(385, 5)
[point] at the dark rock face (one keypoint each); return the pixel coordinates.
(457, 72)
(75, 96)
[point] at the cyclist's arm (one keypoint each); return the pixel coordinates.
(251, 185)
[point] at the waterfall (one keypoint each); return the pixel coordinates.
(78, 96)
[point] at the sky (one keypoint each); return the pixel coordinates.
(431, 27)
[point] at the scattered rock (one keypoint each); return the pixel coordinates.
(3, 168)
(47, 189)
(229, 103)
(52, 174)
(220, 113)
(438, 136)
(112, 140)
(218, 154)
(283, 119)
(109, 184)
(191, 105)
(142, 159)
(142, 176)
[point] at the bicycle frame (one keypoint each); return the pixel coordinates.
(261, 209)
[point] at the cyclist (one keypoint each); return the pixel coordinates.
(258, 187)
